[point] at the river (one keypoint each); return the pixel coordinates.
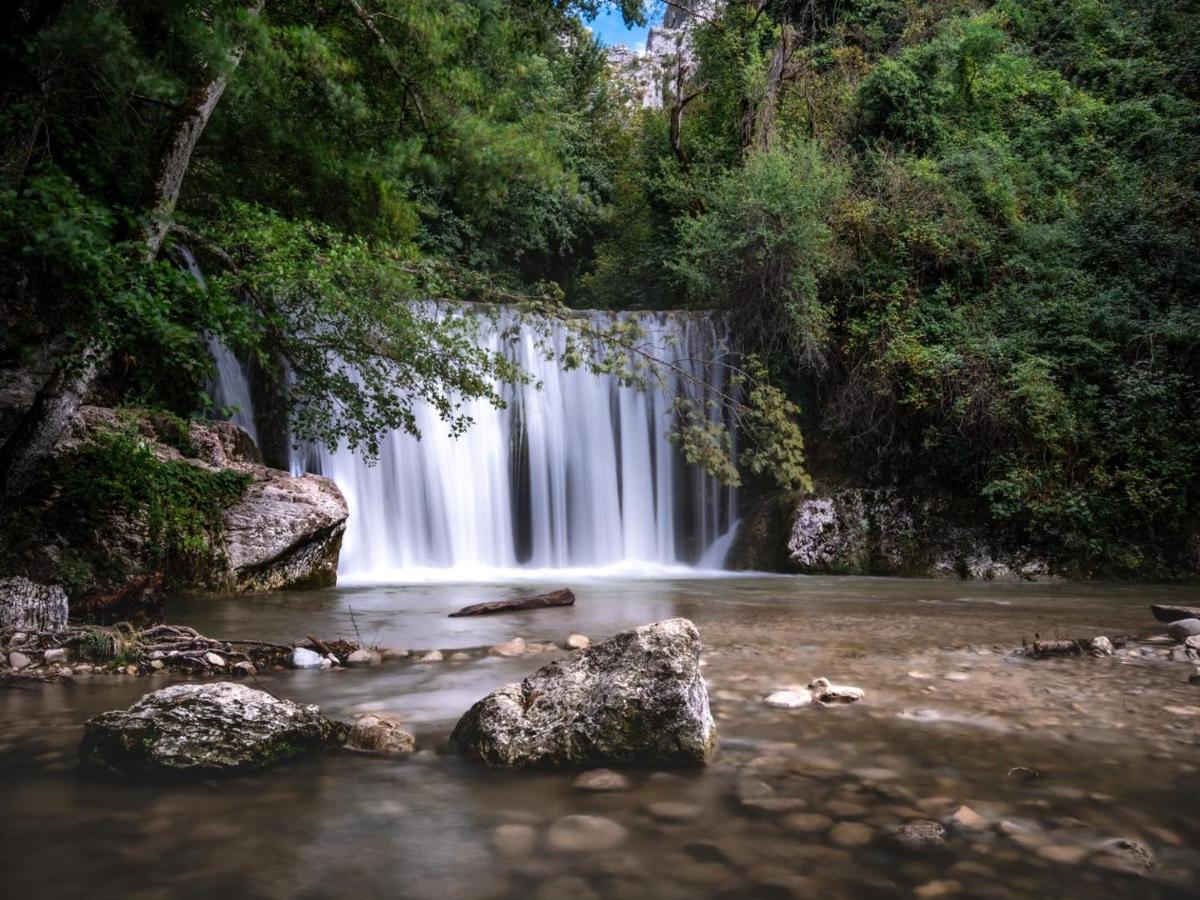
(1114, 742)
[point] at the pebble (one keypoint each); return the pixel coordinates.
(459, 656)
(966, 819)
(381, 734)
(1125, 855)
(515, 647)
(1063, 853)
(875, 773)
(601, 780)
(578, 642)
(362, 657)
(432, 656)
(514, 840)
(675, 811)
(774, 805)
(214, 659)
(807, 823)
(585, 834)
(392, 653)
(789, 699)
(826, 693)
(926, 835)
(844, 809)
(939, 888)
(851, 834)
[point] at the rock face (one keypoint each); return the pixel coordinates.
(653, 76)
(636, 698)
(196, 731)
(285, 532)
(862, 531)
(26, 604)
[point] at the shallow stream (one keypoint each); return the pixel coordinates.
(1114, 743)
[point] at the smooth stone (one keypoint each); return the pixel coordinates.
(601, 780)
(966, 819)
(851, 834)
(933, 804)
(1100, 646)
(585, 834)
(157, 664)
(57, 655)
(244, 668)
(774, 805)
(514, 839)
(675, 811)
(578, 642)
(18, 660)
(381, 734)
(214, 659)
(1070, 854)
(363, 657)
(875, 773)
(303, 658)
(392, 653)
(1183, 629)
(432, 656)
(844, 809)
(459, 656)
(827, 693)
(515, 647)
(789, 699)
(807, 823)
(939, 888)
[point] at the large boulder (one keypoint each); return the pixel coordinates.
(284, 532)
(635, 699)
(196, 731)
(27, 604)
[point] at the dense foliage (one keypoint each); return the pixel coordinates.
(967, 234)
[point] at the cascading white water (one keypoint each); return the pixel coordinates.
(575, 472)
(230, 386)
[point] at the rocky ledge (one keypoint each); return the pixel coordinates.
(637, 698)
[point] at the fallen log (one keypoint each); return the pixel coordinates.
(1174, 613)
(564, 597)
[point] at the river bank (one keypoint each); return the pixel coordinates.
(948, 716)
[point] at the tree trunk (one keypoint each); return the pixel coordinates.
(61, 396)
(564, 597)
(758, 124)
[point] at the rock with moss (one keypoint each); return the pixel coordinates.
(635, 699)
(27, 604)
(197, 731)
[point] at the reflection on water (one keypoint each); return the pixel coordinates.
(947, 717)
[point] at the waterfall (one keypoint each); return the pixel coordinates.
(230, 385)
(576, 471)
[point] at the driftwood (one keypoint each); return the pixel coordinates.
(1174, 613)
(564, 597)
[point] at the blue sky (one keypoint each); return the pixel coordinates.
(610, 29)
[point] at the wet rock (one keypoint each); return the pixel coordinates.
(789, 699)
(392, 653)
(18, 660)
(851, 834)
(245, 668)
(27, 604)
(675, 811)
(362, 657)
(585, 834)
(515, 647)
(940, 888)
(214, 659)
(808, 823)
(636, 698)
(578, 642)
(825, 692)
(966, 819)
(459, 656)
(514, 839)
(1166, 613)
(1070, 854)
(157, 665)
(845, 809)
(432, 656)
(381, 734)
(303, 658)
(1125, 855)
(57, 655)
(1181, 629)
(196, 731)
(920, 836)
(602, 780)
(1100, 646)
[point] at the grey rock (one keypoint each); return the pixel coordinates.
(602, 781)
(636, 698)
(921, 836)
(432, 656)
(826, 693)
(380, 734)
(1182, 629)
(1100, 646)
(789, 699)
(578, 642)
(214, 659)
(27, 604)
(303, 658)
(197, 731)
(515, 647)
(57, 655)
(245, 668)
(363, 657)
(18, 660)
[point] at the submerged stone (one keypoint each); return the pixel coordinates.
(303, 658)
(196, 731)
(636, 698)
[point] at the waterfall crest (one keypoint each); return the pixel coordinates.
(576, 471)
